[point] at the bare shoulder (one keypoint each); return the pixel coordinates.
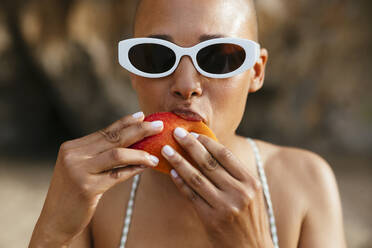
(304, 168)
(300, 176)
(307, 182)
(305, 196)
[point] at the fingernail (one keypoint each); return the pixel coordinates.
(168, 150)
(194, 134)
(157, 124)
(137, 115)
(180, 132)
(154, 159)
(174, 173)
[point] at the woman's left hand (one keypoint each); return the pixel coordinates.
(226, 196)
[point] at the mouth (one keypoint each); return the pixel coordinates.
(188, 115)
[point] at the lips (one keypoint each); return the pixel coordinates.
(188, 115)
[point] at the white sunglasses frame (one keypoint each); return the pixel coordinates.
(250, 47)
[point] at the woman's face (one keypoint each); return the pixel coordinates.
(220, 102)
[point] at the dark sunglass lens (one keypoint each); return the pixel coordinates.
(152, 58)
(221, 58)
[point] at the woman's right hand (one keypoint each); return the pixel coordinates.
(86, 168)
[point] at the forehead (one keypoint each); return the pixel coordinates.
(187, 20)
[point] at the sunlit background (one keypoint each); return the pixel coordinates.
(60, 79)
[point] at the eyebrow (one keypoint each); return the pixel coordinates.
(203, 37)
(161, 36)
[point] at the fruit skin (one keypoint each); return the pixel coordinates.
(171, 121)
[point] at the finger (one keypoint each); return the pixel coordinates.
(119, 157)
(128, 136)
(188, 192)
(208, 165)
(93, 137)
(108, 179)
(193, 178)
(226, 158)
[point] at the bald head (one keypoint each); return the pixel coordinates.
(247, 6)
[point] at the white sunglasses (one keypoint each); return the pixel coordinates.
(214, 58)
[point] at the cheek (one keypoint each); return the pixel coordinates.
(232, 92)
(149, 93)
(228, 99)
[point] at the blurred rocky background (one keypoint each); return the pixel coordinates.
(60, 79)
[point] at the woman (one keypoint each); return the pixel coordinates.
(225, 202)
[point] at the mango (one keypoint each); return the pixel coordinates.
(171, 121)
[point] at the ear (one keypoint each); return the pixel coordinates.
(259, 71)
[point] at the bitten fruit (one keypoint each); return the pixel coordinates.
(153, 144)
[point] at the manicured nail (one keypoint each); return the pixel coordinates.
(157, 124)
(194, 134)
(154, 159)
(174, 173)
(180, 132)
(137, 115)
(168, 150)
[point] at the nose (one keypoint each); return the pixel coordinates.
(186, 80)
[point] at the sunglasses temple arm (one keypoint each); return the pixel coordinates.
(258, 52)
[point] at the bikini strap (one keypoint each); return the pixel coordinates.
(266, 192)
(128, 215)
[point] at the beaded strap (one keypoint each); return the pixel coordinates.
(129, 212)
(266, 192)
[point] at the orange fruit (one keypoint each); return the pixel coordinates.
(153, 144)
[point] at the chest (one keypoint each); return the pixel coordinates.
(153, 223)
(149, 230)
(165, 229)
(167, 232)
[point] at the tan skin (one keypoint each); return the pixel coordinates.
(227, 208)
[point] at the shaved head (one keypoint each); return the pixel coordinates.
(251, 20)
